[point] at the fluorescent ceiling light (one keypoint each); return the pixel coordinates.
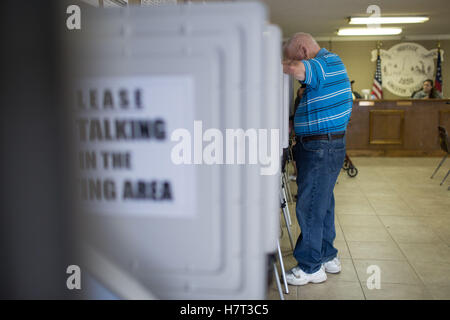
(368, 31)
(381, 20)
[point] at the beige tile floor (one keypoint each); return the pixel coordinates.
(393, 216)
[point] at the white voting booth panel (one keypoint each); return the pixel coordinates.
(284, 85)
(287, 100)
(203, 231)
(271, 119)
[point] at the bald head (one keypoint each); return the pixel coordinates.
(301, 46)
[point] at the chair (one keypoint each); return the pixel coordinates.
(444, 143)
(443, 180)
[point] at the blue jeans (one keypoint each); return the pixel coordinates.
(318, 165)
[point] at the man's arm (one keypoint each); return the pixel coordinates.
(310, 72)
(294, 68)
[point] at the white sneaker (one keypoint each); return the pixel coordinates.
(332, 266)
(298, 277)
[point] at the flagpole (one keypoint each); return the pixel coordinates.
(377, 90)
(439, 68)
(379, 44)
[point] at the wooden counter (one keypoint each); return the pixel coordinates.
(397, 127)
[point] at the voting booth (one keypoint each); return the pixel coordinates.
(177, 126)
(287, 102)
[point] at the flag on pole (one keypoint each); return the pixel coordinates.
(377, 90)
(438, 80)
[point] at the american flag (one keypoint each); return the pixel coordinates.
(438, 80)
(377, 91)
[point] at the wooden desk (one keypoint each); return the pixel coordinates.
(397, 127)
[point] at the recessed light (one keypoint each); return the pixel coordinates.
(387, 20)
(368, 31)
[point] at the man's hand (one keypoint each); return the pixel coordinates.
(294, 68)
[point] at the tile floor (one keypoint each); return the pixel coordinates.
(393, 216)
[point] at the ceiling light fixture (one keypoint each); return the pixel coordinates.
(386, 20)
(368, 31)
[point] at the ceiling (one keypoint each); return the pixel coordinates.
(322, 18)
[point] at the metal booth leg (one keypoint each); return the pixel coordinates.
(283, 272)
(277, 279)
(285, 213)
(284, 198)
(288, 187)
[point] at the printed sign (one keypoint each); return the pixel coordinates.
(122, 128)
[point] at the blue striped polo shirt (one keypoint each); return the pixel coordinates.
(326, 104)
